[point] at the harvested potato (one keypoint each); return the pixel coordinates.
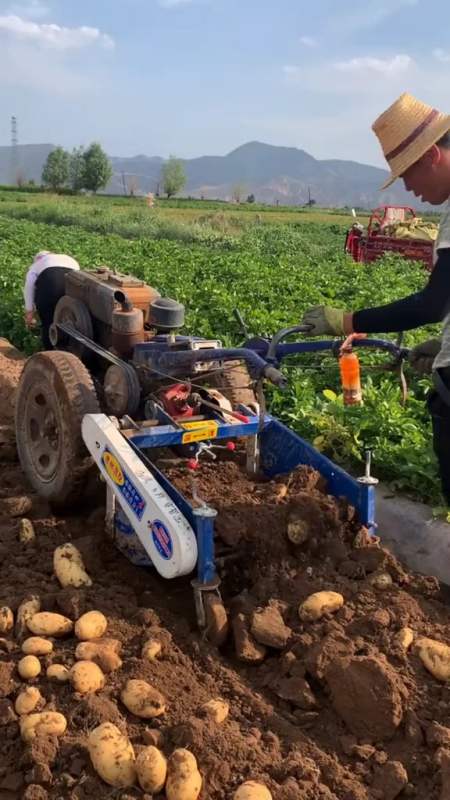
(87, 677)
(47, 723)
(69, 568)
(58, 673)
(151, 768)
(298, 530)
(112, 755)
(46, 623)
(27, 609)
(37, 646)
(104, 652)
(6, 619)
(151, 649)
(435, 656)
(318, 604)
(28, 701)
(217, 710)
(184, 781)
(381, 580)
(251, 790)
(142, 699)
(29, 667)
(27, 533)
(405, 638)
(91, 625)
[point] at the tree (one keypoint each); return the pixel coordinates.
(76, 169)
(173, 176)
(251, 198)
(97, 168)
(56, 169)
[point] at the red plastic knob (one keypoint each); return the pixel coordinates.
(231, 446)
(193, 464)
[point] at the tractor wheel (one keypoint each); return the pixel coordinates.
(235, 384)
(70, 311)
(54, 393)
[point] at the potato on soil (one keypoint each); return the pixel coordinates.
(184, 781)
(27, 609)
(216, 710)
(104, 652)
(47, 723)
(112, 755)
(87, 677)
(318, 604)
(46, 623)
(251, 790)
(435, 656)
(91, 625)
(37, 646)
(142, 699)
(151, 649)
(27, 533)
(58, 673)
(151, 768)
(29, 667)
(69, 568)
(6, 619)
(405, 638)
(28, 700)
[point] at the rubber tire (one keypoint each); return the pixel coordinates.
(75, 312)
(63, 378)
(232, 383)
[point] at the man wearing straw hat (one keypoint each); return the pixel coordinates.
(415, 139)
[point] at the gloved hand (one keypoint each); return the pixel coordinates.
(422, 356)
(325, 320)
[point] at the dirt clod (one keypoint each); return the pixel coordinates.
(268, 628)
(368, 694)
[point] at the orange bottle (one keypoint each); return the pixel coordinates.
(350, 378)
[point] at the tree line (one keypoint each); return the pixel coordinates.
(88, 169)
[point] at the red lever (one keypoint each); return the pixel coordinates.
(241, 417)
(192, 464)
(231, 446)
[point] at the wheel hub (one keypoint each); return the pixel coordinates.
(42, 424)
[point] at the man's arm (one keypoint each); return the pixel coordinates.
(28, 290)
(422, 308)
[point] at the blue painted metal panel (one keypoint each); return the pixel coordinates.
(282, 451)
(168, 435)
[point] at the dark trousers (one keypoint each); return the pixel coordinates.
(439, 408)
(50, 287)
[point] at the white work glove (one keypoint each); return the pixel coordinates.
(324, 320)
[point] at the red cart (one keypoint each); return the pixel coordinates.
(368, 245)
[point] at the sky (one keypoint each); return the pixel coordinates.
(201, 77)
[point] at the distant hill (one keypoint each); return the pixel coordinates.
(273, 174)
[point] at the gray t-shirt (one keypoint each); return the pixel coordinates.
(443, 241)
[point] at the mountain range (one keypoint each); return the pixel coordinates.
(273, 174)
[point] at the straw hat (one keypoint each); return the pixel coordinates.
(406, 130)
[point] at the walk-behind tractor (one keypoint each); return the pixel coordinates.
(122, 387)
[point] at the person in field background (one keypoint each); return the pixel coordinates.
(44, 286)
(415, 139)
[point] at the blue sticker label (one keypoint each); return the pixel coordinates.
(162, 539)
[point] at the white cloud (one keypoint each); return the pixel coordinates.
(367, 16)
(383, 66)
(33, 9)
(174, 3)
(292, 71)
(308, 41)
(51, 35)
(441, 55)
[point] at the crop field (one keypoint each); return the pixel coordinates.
(271, 264)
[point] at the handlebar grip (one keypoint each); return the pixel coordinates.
(276, 377)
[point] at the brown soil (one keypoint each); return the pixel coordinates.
(329, 709)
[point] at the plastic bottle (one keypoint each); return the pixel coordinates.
(350, 378)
